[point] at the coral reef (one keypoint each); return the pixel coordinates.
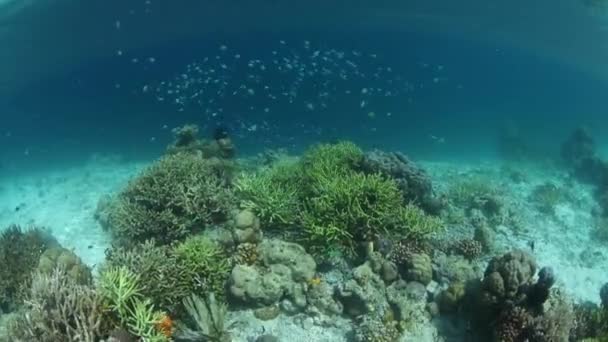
(178, 195)
(330, 204)
(59, 309)
(201, 266)
(365, 293)
(155, 267)
(20, 251)
(272, 194)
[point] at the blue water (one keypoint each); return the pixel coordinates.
(465, 93)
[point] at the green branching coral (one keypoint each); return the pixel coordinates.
(121, 293)
(358, 206)
(272, 194)
(330, 203)
(173, 198)
(143, 321)
(329, 160)
(119, 287)
(155, 267)
(351, 206)
(20, 252)
(201, 265)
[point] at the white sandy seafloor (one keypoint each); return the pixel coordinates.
(64, 201)
(563, 241)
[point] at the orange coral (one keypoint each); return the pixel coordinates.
(165, 326)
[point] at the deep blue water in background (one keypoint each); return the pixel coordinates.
(483, 89)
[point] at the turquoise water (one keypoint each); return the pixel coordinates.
(480, 96)
(462, 87)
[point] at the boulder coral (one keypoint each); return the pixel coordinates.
(283, 274)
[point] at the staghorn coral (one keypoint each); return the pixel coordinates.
(330, 204)
(202, 265)
(59, 309)
(272, 194)
(185, 139)
(156, 268)
(20, 251)
(176, 196)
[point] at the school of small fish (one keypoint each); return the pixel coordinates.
(292, 78)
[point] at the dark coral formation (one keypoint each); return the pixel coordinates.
(578, 149)
(20, 251)
(513, 325)
(413, 181)
(468, 248)
(520, 309)
(507, 278)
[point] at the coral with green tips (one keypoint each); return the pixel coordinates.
(121, 293)
(201, 265)
(272, 194)
(330, 204)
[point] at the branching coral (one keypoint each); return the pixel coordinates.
(173, 198)
(271, 194)
(59, 309)
(121, 293)
(332, 203)
(155, 266)
(20, 251)
(201, 265)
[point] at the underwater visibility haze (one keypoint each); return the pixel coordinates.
(267, 170)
